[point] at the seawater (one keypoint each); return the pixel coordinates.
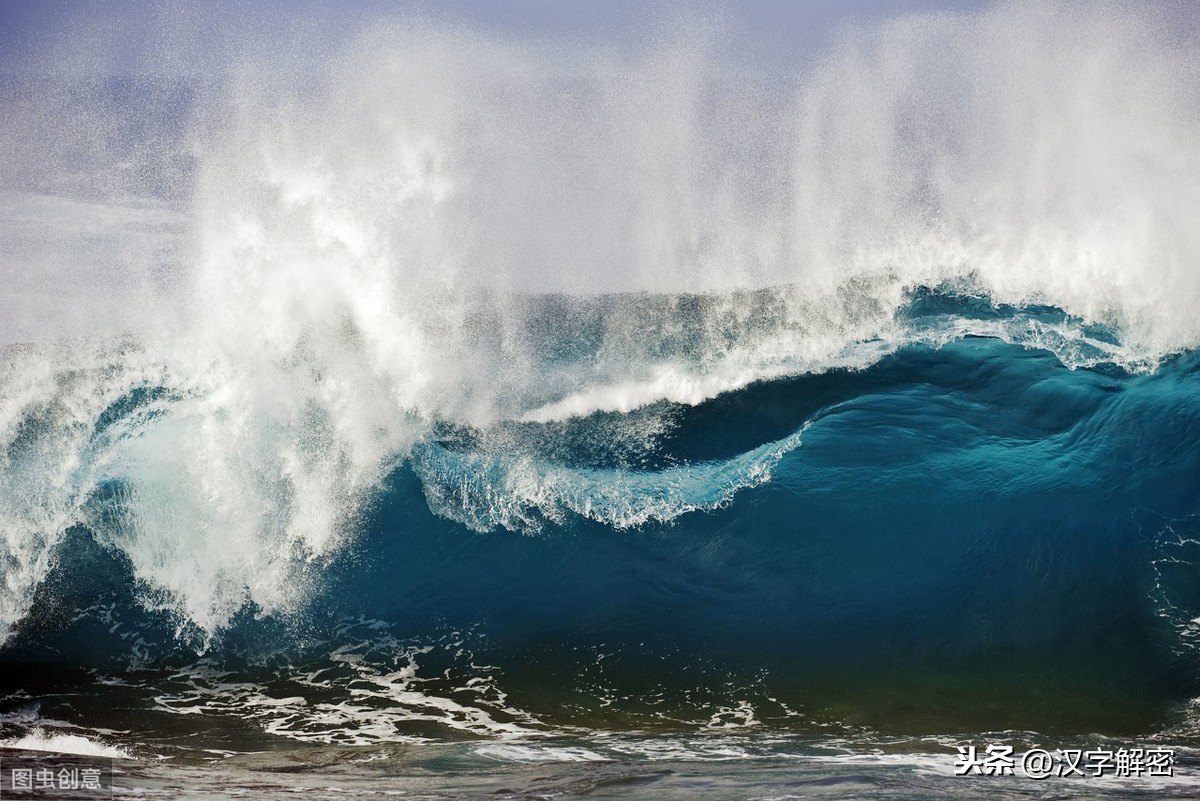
(475, 418)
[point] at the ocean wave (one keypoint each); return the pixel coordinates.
(484, 285)
(225, 496)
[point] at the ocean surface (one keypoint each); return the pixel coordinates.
(475, 420)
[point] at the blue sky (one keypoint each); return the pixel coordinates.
(139, 37)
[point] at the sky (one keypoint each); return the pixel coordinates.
(191, 39)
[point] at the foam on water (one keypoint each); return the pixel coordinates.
(370, 688)
(484, 492)
(64, 744)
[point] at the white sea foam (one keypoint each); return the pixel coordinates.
(485, 492)
(515, 752)
(372, 688)
(64, 744)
